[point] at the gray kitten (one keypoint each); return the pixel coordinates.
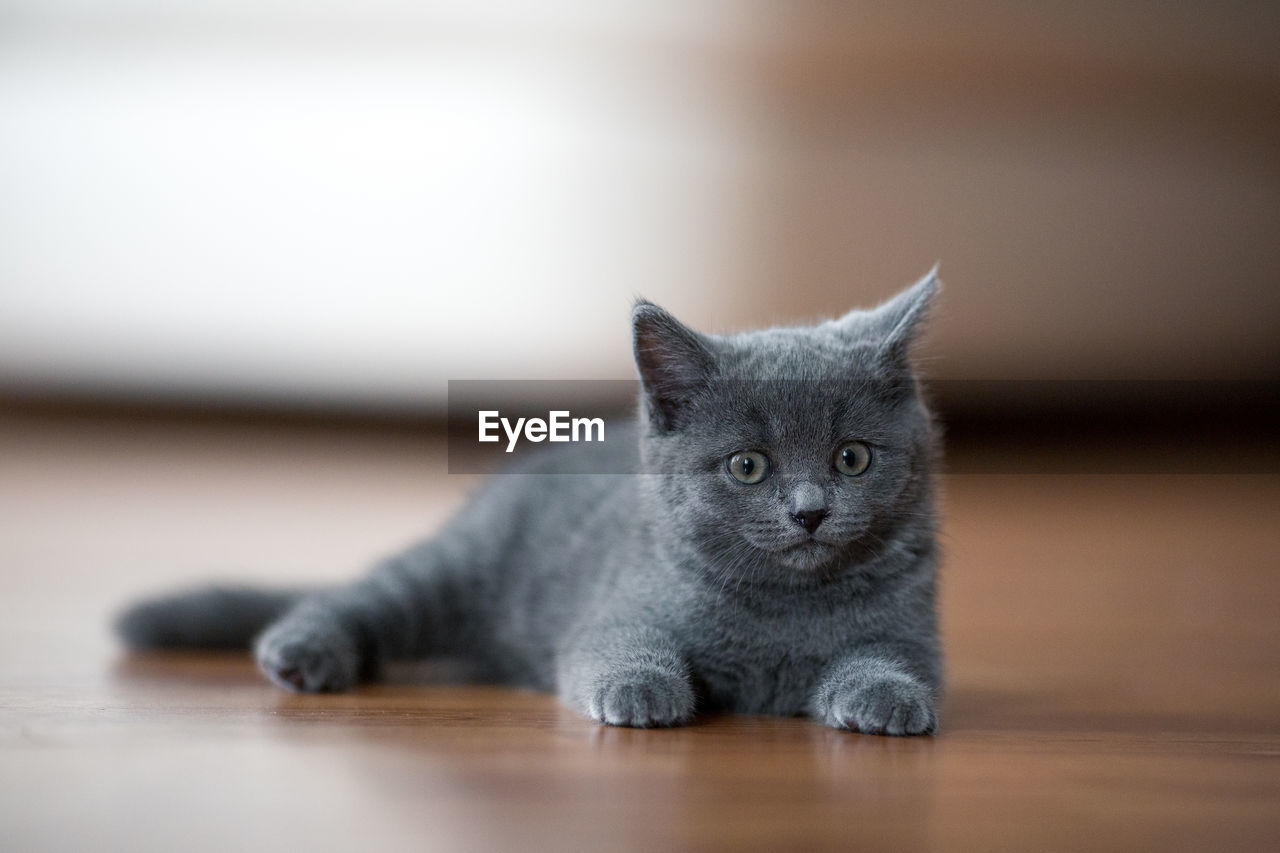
(775, 553)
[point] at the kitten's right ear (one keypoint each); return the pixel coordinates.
(675, 362)
(895, 324)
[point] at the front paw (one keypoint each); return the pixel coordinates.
(643, 699)
(888, 706)
(308, 658)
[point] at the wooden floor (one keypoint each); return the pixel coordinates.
(1113, 642)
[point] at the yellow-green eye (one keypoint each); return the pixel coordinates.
(853, 458)
(748, 466)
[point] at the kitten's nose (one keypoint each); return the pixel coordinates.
(809, 519)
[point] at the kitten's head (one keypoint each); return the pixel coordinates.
(790, 454)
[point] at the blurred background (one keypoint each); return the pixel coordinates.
(285, 206)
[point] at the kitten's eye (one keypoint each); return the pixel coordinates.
(853, 458)
(749, 467)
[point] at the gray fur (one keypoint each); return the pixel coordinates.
(219, 617)
(642, 597)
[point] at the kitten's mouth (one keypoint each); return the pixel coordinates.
(809, 553)
(810, 541)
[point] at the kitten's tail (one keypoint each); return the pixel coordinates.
(215, 617)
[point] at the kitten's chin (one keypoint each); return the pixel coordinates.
(810, 556)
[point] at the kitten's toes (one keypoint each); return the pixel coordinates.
(308, 661)
(643, 699)
(899, 706)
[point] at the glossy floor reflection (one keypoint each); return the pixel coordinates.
(1112, 643)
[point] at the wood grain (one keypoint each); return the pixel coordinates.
(1115, 682)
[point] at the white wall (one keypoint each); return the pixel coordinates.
(350, 202)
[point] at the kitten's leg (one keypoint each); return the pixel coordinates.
(879, 690)
(409, 606)
(626, 676)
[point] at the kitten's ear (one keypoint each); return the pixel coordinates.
(675, 362)
(894, 324)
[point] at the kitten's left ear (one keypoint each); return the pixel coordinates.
(675, 362)
(896, 323)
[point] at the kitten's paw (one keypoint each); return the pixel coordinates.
(643, 699)
(308, 659)
(889, 706)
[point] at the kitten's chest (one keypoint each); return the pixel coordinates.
(769, 666)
